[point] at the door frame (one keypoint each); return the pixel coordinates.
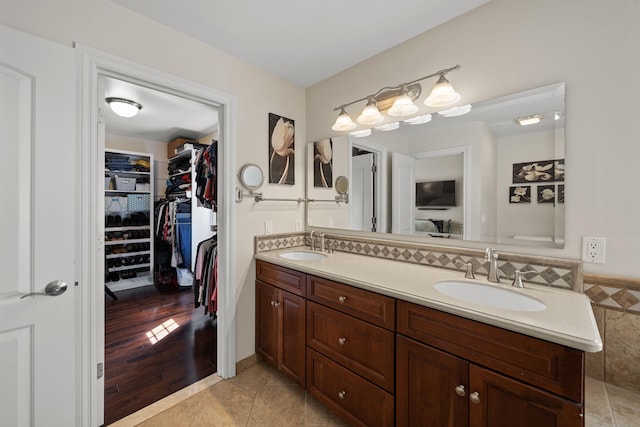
(90, 269)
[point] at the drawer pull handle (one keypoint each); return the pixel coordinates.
(342, 394)
(275, 303)
(341, 341)
(460, 391)
(342, 299)
(474, 397)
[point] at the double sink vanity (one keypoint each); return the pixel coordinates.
(382, 342)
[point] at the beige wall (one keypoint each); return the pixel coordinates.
(102, 25)
(506, 46)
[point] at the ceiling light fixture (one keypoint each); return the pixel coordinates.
(403, 95)
(123, 107)
(529, 120)
(419, 120)
(361, 133)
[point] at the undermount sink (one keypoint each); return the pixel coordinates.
(303, 255)
(489, 296)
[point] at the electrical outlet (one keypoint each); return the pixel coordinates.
(593, 249)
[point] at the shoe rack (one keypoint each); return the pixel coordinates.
(128, 238)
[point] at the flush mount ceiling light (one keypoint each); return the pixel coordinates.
(400, 98)
(123, 107)
(529, 120)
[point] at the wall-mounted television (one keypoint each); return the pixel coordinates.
(435, 194)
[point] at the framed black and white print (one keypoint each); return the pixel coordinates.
(520, 194)
(281, 150)
(558, 170)
(546, 193)
(560, 193)
(323, 163)
(538, 171)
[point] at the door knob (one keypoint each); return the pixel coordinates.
(55, 288)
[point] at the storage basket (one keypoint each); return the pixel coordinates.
(107, 181)
(138, 202)
(115, 204)
(125, 184)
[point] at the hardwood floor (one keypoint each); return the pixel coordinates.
(137, 372)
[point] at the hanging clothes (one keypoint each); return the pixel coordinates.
(205, 289)
(206, 176)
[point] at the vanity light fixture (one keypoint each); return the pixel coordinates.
(529, 120)
(370, 115)
(419, 120)
(123, 107)
(455, 111)
(403, 96)
(361, 133)
(388, 126)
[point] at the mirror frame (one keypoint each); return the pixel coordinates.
(242, 176)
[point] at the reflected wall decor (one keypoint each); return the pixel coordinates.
(281, 150)
(323, 163)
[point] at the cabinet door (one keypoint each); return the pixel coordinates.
(426, 381)
(291, 320)
(267, 322)
(503, 402)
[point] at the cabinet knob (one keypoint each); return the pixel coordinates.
(460, 391)
(342, 394)
(474, 397)
(341, 341)
(276, 304)
(342, 299)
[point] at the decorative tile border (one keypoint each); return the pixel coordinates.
(556, 272)
(613, 293)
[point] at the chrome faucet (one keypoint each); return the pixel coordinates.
(491, 256)
(312, 240)
(322, 241)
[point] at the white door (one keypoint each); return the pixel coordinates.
(361, 194)
(37, 168)
(403, 194)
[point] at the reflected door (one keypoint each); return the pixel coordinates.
(403, 196)
(38, 382)
(361, 210)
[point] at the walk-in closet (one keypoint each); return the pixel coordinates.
(160, 245)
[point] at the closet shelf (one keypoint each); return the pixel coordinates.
(127, 254)
(180, 173)
(127, 192)
(128, 228)
(128, 267)
(127, 173)
(127, 241)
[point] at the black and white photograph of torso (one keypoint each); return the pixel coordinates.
(281, 150)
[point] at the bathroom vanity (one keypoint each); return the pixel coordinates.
(376, 343)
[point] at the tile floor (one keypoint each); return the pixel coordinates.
(260, 396)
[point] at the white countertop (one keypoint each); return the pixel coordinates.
(567, 319)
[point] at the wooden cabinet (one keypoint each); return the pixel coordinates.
(351, 355)
(280, 323)
(463, 373)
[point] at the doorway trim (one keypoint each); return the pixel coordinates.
(90, 353)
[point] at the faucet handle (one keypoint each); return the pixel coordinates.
(469, 274)
(518, 281)
(332, 246)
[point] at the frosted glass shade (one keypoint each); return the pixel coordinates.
(442, 94)
(343, 122)
(123, 107)
(403, 106)
(370, 115)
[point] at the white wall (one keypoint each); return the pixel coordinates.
(105, 26)
(506, 46)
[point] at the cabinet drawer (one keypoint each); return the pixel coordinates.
(366, 349)
(347, 394)
(369, 306)
(551, 366)
(281, 277)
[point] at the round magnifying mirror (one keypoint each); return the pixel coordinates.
(251, 176)
(342, 185)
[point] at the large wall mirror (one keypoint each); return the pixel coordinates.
(485, 175)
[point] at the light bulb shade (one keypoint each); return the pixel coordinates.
(123, 107)
(419, 120)
(343, 122)
(402, 106)
(361, 133)
(370, 115)
(442, 94)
